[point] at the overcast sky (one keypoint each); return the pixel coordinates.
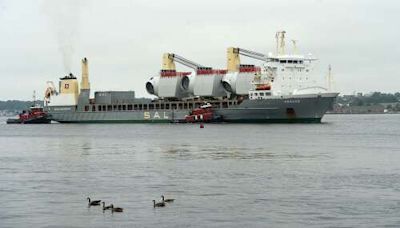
(124, 40)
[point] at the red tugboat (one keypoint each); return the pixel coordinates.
(35, 115)
(203, 114)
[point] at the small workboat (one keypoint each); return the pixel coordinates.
(34, 115)
(203, 114)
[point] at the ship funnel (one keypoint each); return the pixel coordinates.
(85, 74)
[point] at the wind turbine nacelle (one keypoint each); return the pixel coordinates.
(188, 83)
(209, 84)
(152, 85)
(238, 83)
(166, 87)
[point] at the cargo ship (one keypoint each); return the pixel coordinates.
(280, 90)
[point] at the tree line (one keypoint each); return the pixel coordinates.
(16, 105)
(370, 99)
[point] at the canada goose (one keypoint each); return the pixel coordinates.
(160, 204)
(167, 200)
(106, 207)
(116, 209)
(94, 202)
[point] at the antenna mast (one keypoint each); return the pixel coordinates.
(280, 42)
(294, 46)
(329, 78)
(34, 98)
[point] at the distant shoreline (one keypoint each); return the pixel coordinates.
(374, 113)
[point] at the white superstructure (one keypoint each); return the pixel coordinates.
(285, 74)
(290, 74)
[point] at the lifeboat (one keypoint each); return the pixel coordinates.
(263, 87)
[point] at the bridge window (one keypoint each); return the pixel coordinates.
(86, 108)
(109, 108)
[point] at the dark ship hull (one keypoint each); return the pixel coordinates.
(279, 109)
(38, 120)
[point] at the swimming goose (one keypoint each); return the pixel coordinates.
(160, 204)
(116, 209)
(106, 207)
(167, 200)
(94, 202)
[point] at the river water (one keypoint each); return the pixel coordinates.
(344, 172)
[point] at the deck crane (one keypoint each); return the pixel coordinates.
(234, 59)
(169, 69)
(261, 79)
(50, 91)
(252, 54)
(169, 60)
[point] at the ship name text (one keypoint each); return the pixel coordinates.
(292, 101)
(155, 115)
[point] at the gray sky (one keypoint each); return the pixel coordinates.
(124, 40)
